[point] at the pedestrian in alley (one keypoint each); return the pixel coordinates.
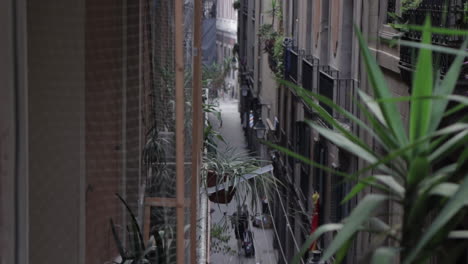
(238, 228)
(265, 208)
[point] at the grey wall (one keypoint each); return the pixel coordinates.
(7, 135)
(56, 110)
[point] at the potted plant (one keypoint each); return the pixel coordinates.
(231, 173)
(223, 171)
(137, 252)
(236, 5)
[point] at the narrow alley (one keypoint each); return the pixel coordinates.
(232, 132)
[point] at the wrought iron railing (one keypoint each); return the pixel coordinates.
(326, 84)
(340, 90)
(449, 14)
(291, 60)
(309, 66)
(345, 95)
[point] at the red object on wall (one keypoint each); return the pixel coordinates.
(315, 218)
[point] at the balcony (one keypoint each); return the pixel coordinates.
(345, 94)
(340, 90)
(455, 19)
(326, 84)
(309, 66)
(291, 60)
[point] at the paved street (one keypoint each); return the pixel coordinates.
(263, 239)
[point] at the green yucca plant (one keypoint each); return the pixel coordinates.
(413, 170)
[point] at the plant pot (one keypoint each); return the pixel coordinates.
(221, 196)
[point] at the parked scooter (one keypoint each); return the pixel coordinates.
(248, 244)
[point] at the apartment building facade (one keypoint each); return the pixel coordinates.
(226, 39)
(321, 54)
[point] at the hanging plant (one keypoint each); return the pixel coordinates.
(236, 5)
(225, 173)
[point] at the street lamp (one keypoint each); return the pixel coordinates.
(260, 129)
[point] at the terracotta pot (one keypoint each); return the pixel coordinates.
(221, 196)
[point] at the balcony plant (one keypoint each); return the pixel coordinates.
(227, 168)
(236, 5)
(421, 169)
(137, 252)
(225, 171)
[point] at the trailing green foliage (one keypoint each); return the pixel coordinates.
(234, 165)
(236, 5)
(414, 168)
(137, 252)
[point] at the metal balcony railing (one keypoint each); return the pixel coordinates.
(326, 84)
(291, 60)
(345, 94)
(340, 90)
(455, 17)
(309, 69)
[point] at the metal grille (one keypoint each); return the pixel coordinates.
(326, 87)
(291, 63)
(345, 94)
(454, 17)
(309, 64)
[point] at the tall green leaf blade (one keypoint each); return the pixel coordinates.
(377, 80)
(306, 97)
(341, 254)
(373, 106)
(304, 94)
(446, 87)
(420, 112)
(458, 234)
(418, 170)
(450, 209)
(353, 177)
(320, 231)
(435, 30)
(343, 142)
(357, 189)
(358, 216)
(447, 147)
(134, 222)
(446, 189)
(118, 242)
(392, 184)
(384, 255)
